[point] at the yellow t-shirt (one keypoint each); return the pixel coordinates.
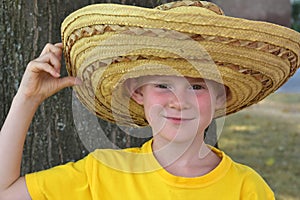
(133, 174)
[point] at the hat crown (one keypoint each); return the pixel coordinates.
(203, 5)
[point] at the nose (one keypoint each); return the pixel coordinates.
(179, 100)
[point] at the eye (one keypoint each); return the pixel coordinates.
(162, 86)
(197, 87)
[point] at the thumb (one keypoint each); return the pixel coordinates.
(68, 82)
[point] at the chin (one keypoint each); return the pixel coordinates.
(177, 135)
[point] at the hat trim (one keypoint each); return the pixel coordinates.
(257, 45)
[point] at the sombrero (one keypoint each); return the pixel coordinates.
(106, 44)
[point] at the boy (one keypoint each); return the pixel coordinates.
(151, 85)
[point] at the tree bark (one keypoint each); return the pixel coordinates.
(26, 27)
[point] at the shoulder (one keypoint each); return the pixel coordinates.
(130, 160)
(115, 154)
(118, 156)
(251, 185)
(128, 153)
(255, 187)
(235, 168)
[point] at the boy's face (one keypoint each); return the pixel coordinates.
(177, 108)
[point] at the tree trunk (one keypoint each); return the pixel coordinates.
(26, 27)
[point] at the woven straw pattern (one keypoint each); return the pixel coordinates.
(253, 59)
(258, 45)
(207, 5)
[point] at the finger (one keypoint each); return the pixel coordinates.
(59, 45)
(56, 49)
(67, 82)
(46, 48)
(59, 50)
(38, 67)
(52, 59)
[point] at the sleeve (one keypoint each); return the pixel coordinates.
(69, 181)
(255, 188)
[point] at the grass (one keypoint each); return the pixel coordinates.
(266, 137)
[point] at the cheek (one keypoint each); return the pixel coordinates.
(154, 117)
(154, 98)
(154, 106)
(206, 105)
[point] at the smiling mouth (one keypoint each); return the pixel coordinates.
(178, 120)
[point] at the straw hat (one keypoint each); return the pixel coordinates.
(105, 44)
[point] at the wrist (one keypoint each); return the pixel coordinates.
(31, 103)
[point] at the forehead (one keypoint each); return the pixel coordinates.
(145, 79)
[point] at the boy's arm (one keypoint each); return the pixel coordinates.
(40, 80)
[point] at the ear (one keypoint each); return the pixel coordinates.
(134, 91)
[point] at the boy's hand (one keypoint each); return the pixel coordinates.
(42, 75)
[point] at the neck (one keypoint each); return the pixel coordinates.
(187, 159)
(184, 153)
